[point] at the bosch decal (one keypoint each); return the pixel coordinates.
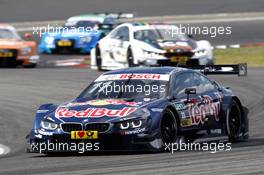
(163, 77)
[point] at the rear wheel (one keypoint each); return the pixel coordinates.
(31, 66)
(130, 58)
(233, 121)
(98, 58)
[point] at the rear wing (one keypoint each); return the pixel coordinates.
(105, 26)
(119, 15)
(227, 69)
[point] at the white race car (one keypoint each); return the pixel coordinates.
(135, 44)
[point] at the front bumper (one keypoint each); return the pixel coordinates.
(28, 60)
(189, 61)
(76, 46)
(48, 142)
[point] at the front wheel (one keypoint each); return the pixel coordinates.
(98, 58)
(33, 65)
(233, 121)
(168, 132)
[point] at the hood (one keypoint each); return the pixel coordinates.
(185, 45)
(162, 46)
(14, 44)
(97, 110)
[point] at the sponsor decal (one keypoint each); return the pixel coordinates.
(186, 122)
(137, 131)
(163, 77)
(180, 106)
(42, 111)
(93, 112)
(45, 133)
(199, 113)
(216, 131)
(101, 103)
(156, 109)
(84, 135)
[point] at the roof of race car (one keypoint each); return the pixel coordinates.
(142, 26)
(90, 17)
(6, 26)
(149, 70)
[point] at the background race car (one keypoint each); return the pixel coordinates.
(14, 51)
(162, 105)
(132, 44)
(80, 33)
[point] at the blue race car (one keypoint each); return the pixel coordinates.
(143, 108)
(79, 34)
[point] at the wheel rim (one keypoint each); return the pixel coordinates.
(234, 121)
(168, 129)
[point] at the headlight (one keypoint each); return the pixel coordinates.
(25, 50)
(131, 124)
(136, 120)
(151, 62)
(49, 125)
(49, 40)
(85, 39)
(200, 53)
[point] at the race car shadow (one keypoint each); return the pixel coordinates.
(99, 153)
(96, 153)
(251, 142)
(254, 142)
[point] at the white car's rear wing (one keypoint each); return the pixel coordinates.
(118, 15)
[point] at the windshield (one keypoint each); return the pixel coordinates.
(126, 89)
(8, 34)
(83, 24)
(155, 34)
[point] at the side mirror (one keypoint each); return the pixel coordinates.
(28, 36)
(190, 36)
(119, 37)
(189, 91)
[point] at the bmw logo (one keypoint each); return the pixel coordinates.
(86, 120)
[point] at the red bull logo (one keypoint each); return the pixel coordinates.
(93, 112)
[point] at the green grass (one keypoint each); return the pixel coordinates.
(253, 56)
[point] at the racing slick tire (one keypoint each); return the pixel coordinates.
(98, 58)
(234, 121)
(168, 132)
(130, 58)
(30, 66)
